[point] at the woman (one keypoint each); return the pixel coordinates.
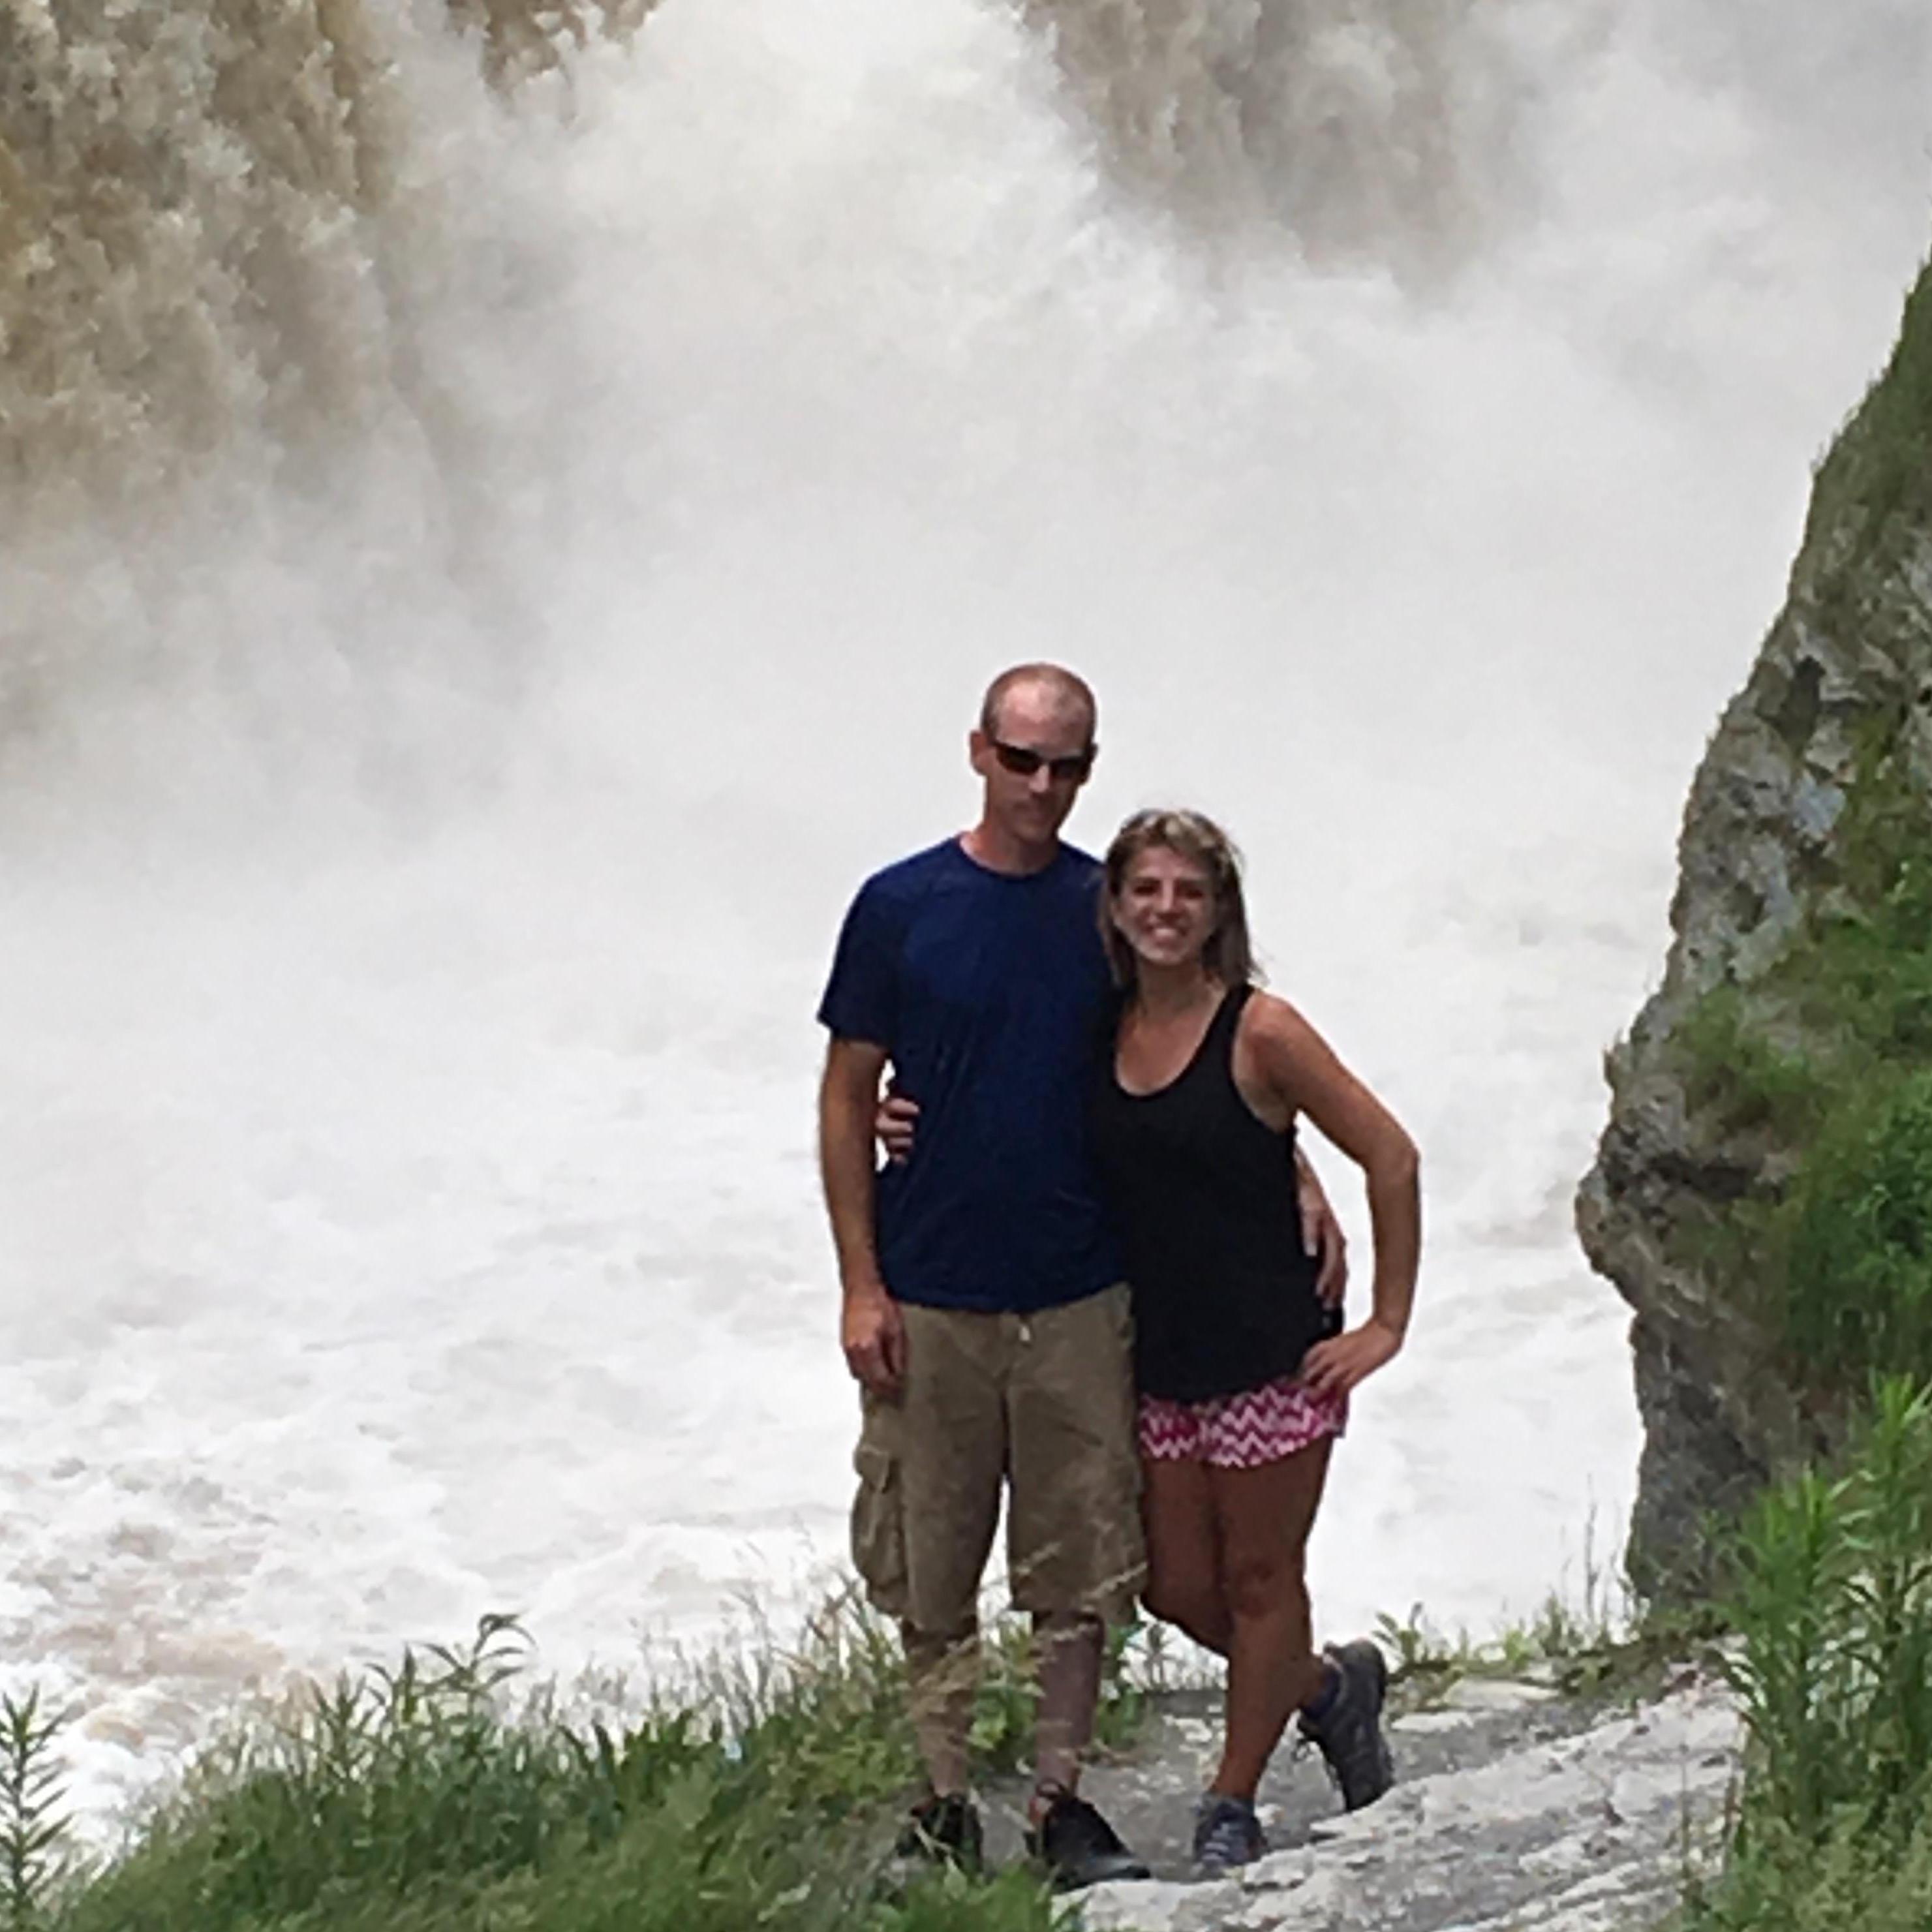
(1243, 1382)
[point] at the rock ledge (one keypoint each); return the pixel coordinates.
(1594, 1831)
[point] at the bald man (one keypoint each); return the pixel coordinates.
(984, 1315)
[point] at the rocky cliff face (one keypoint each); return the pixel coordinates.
(1749, 1100)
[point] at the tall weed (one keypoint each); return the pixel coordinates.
(32, 1825)
(1834, 1606)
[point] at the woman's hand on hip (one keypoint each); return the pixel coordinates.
(1335, 1367)
(893, 1126)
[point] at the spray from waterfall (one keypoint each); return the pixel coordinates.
(226, 241)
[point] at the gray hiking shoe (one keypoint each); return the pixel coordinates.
(1349, 1733)
(1227, 1834)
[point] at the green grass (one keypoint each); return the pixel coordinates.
(1596, 1641)
(1790, 1884)
(1833, 1605)
(443, 1793)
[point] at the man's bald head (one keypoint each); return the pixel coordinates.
(1051, 687)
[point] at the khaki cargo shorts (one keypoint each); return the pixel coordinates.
(1042, 1403)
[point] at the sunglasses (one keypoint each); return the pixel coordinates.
(1023, 763)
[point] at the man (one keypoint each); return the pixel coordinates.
(984, 1316)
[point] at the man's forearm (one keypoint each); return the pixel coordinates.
(871, 1330)
(846, 1167)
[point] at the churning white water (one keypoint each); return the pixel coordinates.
(419, 866)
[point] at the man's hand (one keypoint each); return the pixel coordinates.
(872, 1332)
(1322, 1235)
(1339, 1364)
(896, 1118)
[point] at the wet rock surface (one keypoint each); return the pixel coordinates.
(1515, 1809)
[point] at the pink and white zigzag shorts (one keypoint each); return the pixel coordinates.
(1239, 1432)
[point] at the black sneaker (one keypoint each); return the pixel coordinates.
(1079, 1847)
(1226, 1834)
(943, 1830)
(1349, 1733)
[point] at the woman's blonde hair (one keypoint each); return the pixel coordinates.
(1228, 955)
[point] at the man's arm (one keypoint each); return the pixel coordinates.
(1321, 1233)
(871, 1330)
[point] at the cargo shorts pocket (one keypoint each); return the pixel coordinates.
(878, 1528)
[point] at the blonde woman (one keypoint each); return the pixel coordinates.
(1243, 1372)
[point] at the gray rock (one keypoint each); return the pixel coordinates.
(1495, 1694)
(1588, 1832)
(1842, 686)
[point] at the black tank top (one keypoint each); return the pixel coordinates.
(1203, 1194)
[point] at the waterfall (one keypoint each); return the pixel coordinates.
(1376, 129)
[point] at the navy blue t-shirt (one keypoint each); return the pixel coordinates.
(990, 992)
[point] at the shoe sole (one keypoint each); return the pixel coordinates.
(1110, 1871)
(1221, 1867)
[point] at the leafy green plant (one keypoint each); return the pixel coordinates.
(1736, 1071)
(1004, 1708)
(1833, 1607)
(1833, 1604)
(1855, 1276)
(1133, 1663)
(33, 1823)
(1421, 1651)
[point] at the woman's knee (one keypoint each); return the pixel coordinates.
(1190, 1604)
(1265, 1586)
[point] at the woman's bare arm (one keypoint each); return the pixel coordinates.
(1301, 1069)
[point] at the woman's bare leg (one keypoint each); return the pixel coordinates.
(1183, 1585)
(1262, 1517)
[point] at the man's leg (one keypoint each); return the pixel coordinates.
(1075, 1554)
(952, 1462)
(1264, 1516)
(1069, 1648)
(942, 1674)
(1074, 1548)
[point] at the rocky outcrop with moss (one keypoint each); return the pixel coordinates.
(1763, 1194)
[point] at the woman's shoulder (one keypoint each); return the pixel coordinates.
(1267, 1018)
